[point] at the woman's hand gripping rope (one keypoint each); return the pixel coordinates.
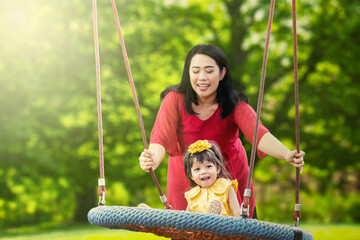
(146, 160)
(296, 159)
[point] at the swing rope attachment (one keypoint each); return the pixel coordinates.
(245, 207)
(101, 184)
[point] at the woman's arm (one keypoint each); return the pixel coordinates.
(234, 203)
(163, 135)
(273, 147)
(152, 157)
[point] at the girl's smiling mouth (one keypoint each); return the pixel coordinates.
(205, 179)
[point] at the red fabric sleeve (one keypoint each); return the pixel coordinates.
(245, 118)
(165, 128)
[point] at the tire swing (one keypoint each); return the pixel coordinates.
(190, 225)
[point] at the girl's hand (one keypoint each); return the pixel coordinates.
(296, 159)
(146, 160)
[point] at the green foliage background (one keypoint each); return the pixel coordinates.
(48, 120)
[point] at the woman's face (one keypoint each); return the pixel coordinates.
(204, 174)
(205, 76)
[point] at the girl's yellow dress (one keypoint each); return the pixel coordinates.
(199, 198)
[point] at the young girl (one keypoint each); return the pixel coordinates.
(213, 190)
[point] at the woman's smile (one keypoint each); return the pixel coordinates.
(203, 87)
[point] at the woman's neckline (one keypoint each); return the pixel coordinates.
(210, 115)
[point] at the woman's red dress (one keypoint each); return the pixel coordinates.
(175, 130)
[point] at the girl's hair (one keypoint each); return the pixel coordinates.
(212, 155)
(227, 96)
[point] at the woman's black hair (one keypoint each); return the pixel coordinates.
(227, 95)
(212, 155)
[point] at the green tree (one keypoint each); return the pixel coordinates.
(48, 130)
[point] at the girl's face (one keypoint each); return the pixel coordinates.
(204, 174)
(205, 76)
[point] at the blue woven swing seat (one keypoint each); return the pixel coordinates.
(189, 225)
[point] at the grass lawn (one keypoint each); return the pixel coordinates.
(89, 232)
(85, 232)
(334, 231)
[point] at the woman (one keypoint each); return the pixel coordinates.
(205, 105)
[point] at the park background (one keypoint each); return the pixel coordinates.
(48, 121)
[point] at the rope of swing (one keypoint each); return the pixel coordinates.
(101, 182)
(247, 193)
(131, 81)
(297, 209)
